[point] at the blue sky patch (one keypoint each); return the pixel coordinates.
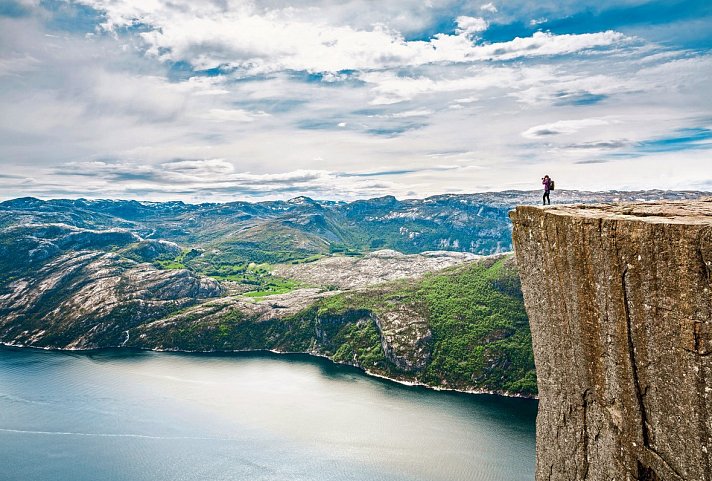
(381, 173)
(13, 9)
(616, 18)
(505, 32)
(181, 70)
(395, 130)
(578, 98)
(627, 19)
(318, 124)
(72, 17)
(683, 139)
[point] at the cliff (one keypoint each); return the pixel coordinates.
(619, 302)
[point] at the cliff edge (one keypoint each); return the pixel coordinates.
(620, 305)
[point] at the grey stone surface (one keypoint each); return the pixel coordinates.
(87, 299)
(374, 268)
(620, 304)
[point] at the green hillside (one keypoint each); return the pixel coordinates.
(480, 331)
(463, 328)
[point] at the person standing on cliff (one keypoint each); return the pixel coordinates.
(546, 182)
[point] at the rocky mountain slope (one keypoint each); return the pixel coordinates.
(620, 302)
(380, 266)
(88, 298)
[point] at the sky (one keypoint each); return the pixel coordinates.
(220, 100)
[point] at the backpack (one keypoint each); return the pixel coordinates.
(551, 184)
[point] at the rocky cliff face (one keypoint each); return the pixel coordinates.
(380, 266)
(89, 299)
(620, 304)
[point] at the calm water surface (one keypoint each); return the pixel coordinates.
(134, 416)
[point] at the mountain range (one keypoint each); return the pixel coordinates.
(416, 290)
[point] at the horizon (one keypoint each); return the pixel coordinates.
(535, 197)
(273, 99)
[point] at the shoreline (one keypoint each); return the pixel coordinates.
(366, 372)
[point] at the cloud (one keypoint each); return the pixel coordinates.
(593, 161)
(250, 41)
(562, 127)
(269, 98)
(412, 113)
(403, 16)
(437, 168)
(217, 178)
(232, 115)
(470, 26)
(143, 96)
(546, 43)
(489, 7)
(390, 88)
(16, 64)
(200, 167)
(601, 145)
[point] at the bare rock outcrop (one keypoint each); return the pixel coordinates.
(374, 268)
(620, 303)
(405, 338)
(87, 299)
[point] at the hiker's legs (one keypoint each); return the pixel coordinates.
(545, 197)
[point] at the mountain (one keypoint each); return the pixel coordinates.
(279, 231)
(357, 282)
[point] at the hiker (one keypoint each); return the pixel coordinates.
(548, 185)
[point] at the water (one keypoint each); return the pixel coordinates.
(134, 416)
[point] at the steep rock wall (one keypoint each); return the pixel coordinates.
(619, 299)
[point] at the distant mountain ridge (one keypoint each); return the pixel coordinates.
(278, 231)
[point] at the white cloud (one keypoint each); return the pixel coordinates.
(412, 113)
(144, 96)
(16, 64)
(232, 115)
(257, 42)
(404, 16)
(489, 7)
(546, 43)
(389, 88)
(138, 125)
(214, 179)
(200, 167)
(562, 127)
(471, 25)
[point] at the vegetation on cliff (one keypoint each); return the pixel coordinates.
(479, 332)
(461, 328)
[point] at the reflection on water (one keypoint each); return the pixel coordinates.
(132, 415)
